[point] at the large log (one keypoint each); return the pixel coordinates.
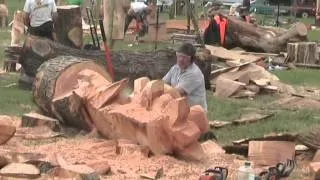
(156, 116)
(68, 26)
(256, 38)
(127, 64)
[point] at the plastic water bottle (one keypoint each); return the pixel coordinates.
(246, 172)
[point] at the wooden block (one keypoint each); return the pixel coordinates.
(20, 170)
(232, 55)
(261, 82)
(151, 91)
(35, 119)
(199, 117)
(7, 130)
(210, 147)
(106, 94)
(269, 153)
(226, 87)
(178, 111)
(185, 134)
(139, 84)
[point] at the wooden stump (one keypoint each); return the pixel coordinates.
(303, 52)
(68, 26)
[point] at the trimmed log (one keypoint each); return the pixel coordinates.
(54, 85)
(127, 64)
(155, 117)
(255, 38)
(302, 52)
(69, 26)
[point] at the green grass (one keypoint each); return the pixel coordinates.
(301, 77)
(14, 101)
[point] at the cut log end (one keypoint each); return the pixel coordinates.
(301, 29)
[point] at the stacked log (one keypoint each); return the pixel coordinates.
(80, 93)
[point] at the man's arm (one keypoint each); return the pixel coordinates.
(167, 77)
(188, 83)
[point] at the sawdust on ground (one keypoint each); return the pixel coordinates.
(84, 150)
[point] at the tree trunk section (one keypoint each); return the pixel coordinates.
(54, 84)
(258, 38)
(68, 26)
(303, 52)
(156, 116)
(114, 18)
(127, 64)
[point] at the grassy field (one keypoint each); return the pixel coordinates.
(14, 101)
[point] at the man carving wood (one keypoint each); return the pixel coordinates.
(39, 17)
(139, 12)
(187, 77)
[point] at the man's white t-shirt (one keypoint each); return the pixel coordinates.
(40, 11)
(138, 7)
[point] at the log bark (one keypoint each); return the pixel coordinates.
(302, 52)
(156, 116)
(126, 64)
(68, 26)
(256, 38)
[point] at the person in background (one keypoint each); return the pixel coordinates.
(187, 77)
(40, 16)
(139, 12)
